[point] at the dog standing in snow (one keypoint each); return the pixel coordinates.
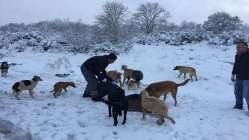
(59, 86)
(4, 68)
(29, 85)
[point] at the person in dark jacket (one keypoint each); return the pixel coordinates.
(93, 70)
(240, 75)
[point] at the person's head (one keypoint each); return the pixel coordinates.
(111, 58)
(241, 47)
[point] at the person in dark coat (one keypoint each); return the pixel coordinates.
(93, 70)
(240, 75)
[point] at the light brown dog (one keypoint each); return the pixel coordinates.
(115, 76)
(155, 106)
(136, 75)
(29, 85)
(163, 88)
(59, 86)
(184, 70)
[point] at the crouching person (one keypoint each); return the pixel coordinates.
(93, 70)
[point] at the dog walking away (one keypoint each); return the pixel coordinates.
(155, 106)
(184, 70)
(59, 86)
(163, 88)
(136, 75)
(29, 85)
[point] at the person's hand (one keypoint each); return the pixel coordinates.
(233, 77)
(104, 80)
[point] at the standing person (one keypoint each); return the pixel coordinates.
(93, 70)
(240, 75)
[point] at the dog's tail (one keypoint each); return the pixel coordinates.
(183, 83)
(52, 90)
(171, 119)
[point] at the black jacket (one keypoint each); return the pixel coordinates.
(241, 66)
(97, 65)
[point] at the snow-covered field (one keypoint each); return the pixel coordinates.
(204, 110)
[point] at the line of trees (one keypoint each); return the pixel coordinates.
(116, 25)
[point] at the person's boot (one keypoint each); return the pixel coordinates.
(86, 94)
(238, 107)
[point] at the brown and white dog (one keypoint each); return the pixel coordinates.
(185, 70)
(163, 88)
(115, 76)
(155, 106)
(59, 86)
(136, 75)
(29, 85)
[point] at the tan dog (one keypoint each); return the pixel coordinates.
(155, 106)
(115, 76)
(59, 86)
(163, 88)
(29, 85)
(136, 75)
(185, 70)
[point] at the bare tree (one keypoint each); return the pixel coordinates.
(112, 19)
(148, 15)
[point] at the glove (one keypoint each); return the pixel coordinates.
(233, 77)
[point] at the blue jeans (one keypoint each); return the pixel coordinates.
(241, 89)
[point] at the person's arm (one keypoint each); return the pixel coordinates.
(235, 69)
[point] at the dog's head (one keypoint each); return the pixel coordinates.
(124, 67)
(4, 65)
(176, 68)
(114, 75)
(36, 78)
(72, 84)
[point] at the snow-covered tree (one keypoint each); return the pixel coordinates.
(220, 22)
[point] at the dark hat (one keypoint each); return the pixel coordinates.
(112, 56)
(240, 41)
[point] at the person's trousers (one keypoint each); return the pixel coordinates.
(241, 89)
(91, 87)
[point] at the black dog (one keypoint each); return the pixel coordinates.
(116, 100)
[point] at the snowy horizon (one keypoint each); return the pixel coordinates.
(30, 11)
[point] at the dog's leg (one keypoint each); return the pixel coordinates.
(191, 77)
(115, 116)
(110, 110)
(120, 113)
(164, 96)
(195, 77)
(144, 114)
(125, 113)
(184, 75)
(17, 95)
(31, 93)
(179, 75)
(173, 93)
(65, 89)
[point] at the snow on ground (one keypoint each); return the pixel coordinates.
(204, 109)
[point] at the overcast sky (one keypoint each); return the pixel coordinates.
(28, 11)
